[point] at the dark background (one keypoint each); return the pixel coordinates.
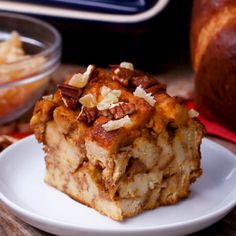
(150, 45)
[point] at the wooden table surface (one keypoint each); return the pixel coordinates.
(180, 82)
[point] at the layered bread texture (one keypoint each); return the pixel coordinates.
(117, 142)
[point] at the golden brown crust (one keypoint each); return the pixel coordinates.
(121, 172)
(221, 98)
(213, 46)
(208, 17)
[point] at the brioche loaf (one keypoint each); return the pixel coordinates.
(213, 52)
(115, 141)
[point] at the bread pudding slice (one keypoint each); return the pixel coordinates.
(117, 142)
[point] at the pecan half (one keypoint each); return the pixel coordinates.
(122, 75)
(152, 86)
(157, 88)
(70, 95)
(122, 109)
(139, 80)
(87, 115)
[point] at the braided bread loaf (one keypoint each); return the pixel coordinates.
(213, 51)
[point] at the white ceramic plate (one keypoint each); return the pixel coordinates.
(22, 189)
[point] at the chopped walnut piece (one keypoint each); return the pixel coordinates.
(121, 109)
(87, 115)
(69, 95)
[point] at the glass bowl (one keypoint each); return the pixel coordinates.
(23, 81)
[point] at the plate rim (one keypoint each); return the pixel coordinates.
(15, 208)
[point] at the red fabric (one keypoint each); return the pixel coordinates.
(18, 135)
(213, 127)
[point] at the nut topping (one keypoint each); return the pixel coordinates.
(121, 109)
(109, 97)
(127, 65)
(152, 86)
(157, 88)
(140, 92)
(122, 75)
(117, 124)
(88, 100)
(125, 75)
(139, 80)
(147, 83)
(69, 95)
(80, 80)
(87, 115)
